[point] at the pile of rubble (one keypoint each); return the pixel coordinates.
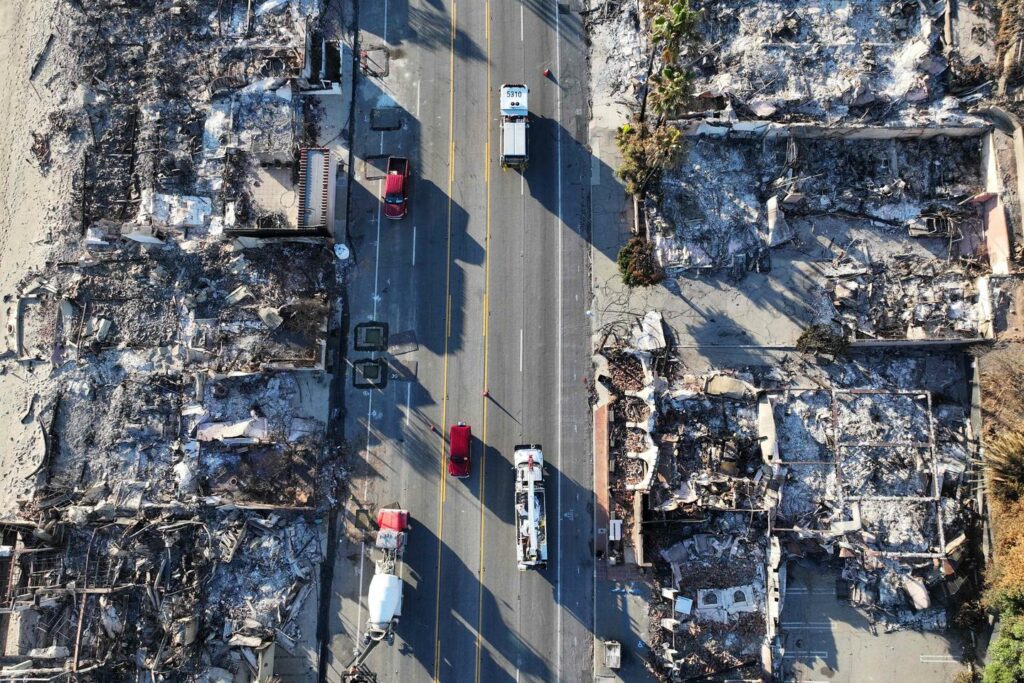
(909, 298)
(739, 480)
(714, 618)
(168, 526)
(735, 199)
(165, 592)
(783, 59)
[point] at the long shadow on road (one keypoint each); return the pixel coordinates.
(456, 631)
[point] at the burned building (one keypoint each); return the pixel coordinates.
(168, 523)
(728, 480)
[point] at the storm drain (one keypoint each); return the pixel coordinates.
(371, 336)
(386, 118)
(369, 374)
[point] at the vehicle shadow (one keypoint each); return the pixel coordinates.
(573, 536)
(384, 285)
(577, 166)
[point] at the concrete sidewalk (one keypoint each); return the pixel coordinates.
(621, 595)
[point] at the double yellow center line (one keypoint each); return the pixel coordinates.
(485, 324)
(447, 334)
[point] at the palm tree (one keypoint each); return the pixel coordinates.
(672, 27)
(670, 89)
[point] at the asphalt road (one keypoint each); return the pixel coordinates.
(488, 273)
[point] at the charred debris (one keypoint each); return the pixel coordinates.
(170, 525)
(719, 481)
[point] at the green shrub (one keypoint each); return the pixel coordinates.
(674, 26)
(1006, 654)
(637, 264)
(670, 90)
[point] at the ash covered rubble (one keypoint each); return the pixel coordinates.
(157, 595)
(743, 195)
(823, 59)
(747, 471)
(897, 228)
(177, 342)
(882, 62)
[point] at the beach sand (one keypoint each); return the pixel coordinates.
(34, 221)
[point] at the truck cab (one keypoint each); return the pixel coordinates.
(396, 188)
(515, 122)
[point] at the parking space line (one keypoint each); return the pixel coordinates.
(938, 659)
(520, 349)
(414, 245)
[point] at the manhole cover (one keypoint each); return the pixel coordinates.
(386, 118)
(371, 336)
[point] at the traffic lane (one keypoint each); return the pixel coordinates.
(402, 295)
(500, 645)
(569, 202)
(562, 105)
(519, 635)
(539, 620)
(458, 596)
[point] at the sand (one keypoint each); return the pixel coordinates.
(33, 217)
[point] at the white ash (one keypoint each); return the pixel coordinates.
(821, 58)
(901, 526)
(883, 418)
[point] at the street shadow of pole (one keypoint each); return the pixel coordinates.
(503, 409)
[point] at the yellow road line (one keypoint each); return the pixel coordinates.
(447, 333)
(487, 294)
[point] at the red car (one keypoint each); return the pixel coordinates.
(459, 438)
(396, 188)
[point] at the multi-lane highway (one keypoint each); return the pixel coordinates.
(485, 284)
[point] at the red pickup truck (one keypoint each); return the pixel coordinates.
(396, 188)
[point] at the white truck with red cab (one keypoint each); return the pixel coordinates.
(530, 508)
